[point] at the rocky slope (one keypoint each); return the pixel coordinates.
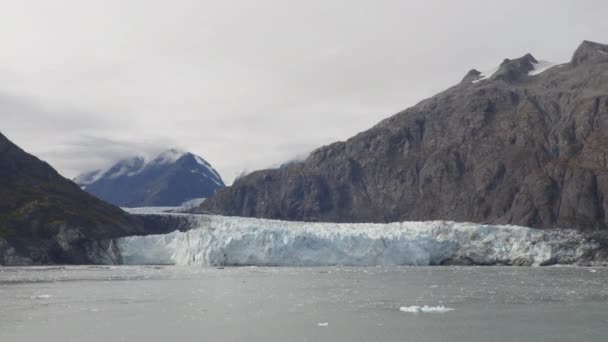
(45, 218)
(169, 179)
(520, 146)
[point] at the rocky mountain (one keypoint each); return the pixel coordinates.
(46, 218)
(169, 179)
(524, 144)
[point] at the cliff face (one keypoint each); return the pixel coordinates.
(519, 146)
(45, 218)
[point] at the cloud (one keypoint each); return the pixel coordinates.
(249, 84)
(92, 153)
(62, 137)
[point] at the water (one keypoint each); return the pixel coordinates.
(138, 303)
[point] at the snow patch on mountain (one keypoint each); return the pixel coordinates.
(486, 74)
(540, 67)
(219, 240)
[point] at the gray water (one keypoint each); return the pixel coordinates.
(138, 303)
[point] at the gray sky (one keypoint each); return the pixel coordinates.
(249, 84)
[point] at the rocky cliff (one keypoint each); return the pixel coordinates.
(524, 144)
(45, 218)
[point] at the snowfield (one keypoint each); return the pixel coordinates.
(237, 241)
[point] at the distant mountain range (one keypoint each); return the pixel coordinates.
(170, 179)
(525, 143)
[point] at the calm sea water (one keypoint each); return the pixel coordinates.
(302, 304)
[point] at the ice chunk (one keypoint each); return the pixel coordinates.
(42, 296)
(324, 324)
(425, 309)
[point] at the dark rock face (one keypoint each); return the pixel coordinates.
(170, 179)
(45, 218)
(514, 148)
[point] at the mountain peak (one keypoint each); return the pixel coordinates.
(513, 70)
(170, 178)
(471, 75)
(588, 52)
(525, 147)
(509, 70)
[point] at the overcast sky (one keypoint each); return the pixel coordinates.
(249, 84)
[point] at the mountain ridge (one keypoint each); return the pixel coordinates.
(46, 218)
(521, 146)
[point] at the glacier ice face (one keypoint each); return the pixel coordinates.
(219, 240)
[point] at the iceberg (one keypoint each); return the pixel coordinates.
(238, 241)
(425, 309)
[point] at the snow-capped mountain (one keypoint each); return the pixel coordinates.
(168, 179)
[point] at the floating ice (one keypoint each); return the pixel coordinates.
(425, 309)
(237, 241)
(324, 324)
(42, 296)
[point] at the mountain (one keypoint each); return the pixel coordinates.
(524, 144)
(45, 218)
(169, 179)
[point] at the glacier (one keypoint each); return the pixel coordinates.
(237, 241)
